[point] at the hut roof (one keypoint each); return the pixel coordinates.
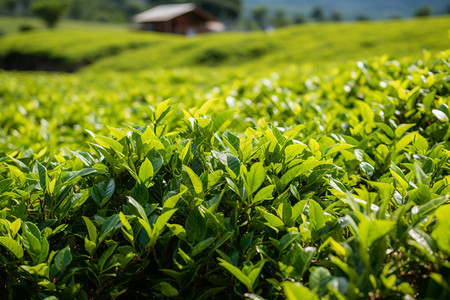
(162, 13)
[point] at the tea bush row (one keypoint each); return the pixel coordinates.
(111, 50)
(306, 187)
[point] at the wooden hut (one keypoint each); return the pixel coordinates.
(187, 19)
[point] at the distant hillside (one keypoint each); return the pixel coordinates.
(121, 50)
(379, 9)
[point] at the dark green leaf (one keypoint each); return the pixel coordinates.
(319, 279)
(195, 226)
(75, 174)
(42, 171)
(63, 259)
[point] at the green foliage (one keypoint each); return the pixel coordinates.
(336, 16)
(279, 19)
(330, 186)
(111, 50)
(50, 11)
(259, 14)
(105, 11)
(317, 14)
(337, 43)
(93, 10)
(76, 47)
(8, 6)
(10, 25)
(423, 11)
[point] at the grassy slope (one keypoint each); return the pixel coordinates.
(311, 43)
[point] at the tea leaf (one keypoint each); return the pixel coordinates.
(63, 259)
(13, 246)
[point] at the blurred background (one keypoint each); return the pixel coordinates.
(71, 65)
(236, 14)
(130, 35)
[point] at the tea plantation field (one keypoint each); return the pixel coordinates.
(71, 48)
(11, 25)
(279, 182)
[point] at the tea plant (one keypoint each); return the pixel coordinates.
(335, 187)
(124, 50)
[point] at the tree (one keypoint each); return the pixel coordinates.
(362, 18)
(82, 9)
(8, 7)
(133, 7)
(224, 9)
(50, 11)
(336, 16)
(105, 11)
(423, 11)
(259, 14)
(317, 14)
(279, 19)
(299, 19)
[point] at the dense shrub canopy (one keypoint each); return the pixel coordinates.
(297, 185)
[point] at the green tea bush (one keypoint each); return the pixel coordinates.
(318, 44)
(26, 27)
(332, 187)
(67, 48)
(315, 44)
